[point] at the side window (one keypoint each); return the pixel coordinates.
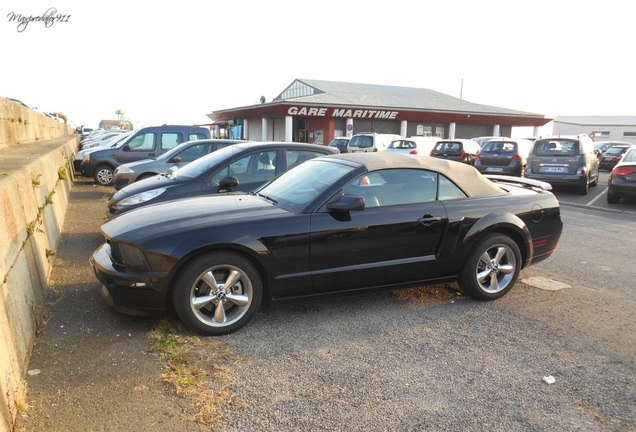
(194, 152)
(144, 142)
(395, 187)
(296, 157)
(257, 167)
(196, 136)
(169, 140)
(448, 190)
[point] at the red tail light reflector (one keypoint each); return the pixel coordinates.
(623, 171)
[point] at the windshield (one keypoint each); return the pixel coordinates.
(615, 151)
(204, 164)
(119, 140)
(630, 156)
(499, 147)
(402, 144)
(556, 147)
(361, 141)
(297, 187)
(173, 151)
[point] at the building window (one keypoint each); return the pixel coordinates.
(599, 134)
(629, 134)
(297, 89)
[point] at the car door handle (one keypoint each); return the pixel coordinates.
(428, 219)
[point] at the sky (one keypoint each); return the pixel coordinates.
(174, 62)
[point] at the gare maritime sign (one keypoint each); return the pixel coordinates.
(338, 112)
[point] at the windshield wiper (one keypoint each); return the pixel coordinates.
(270, 199)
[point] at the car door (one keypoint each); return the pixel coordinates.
(142, 146)
(393, 240)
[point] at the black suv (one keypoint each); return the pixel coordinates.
(145, 143)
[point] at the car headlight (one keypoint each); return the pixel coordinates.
(123, 170)
(141, 197)
(129, 256)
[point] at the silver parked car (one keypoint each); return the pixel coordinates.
(176, 157)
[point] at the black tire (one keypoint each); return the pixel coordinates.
(204, 302)
(611, 198)
(585, 189)
(492, 267)
(103, 175)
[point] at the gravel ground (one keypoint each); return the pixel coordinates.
(413, 360)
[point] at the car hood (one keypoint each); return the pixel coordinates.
(188, 213)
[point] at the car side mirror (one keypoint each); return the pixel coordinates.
(227, 183)
(347, 203)
(176, 159)
(126, 147)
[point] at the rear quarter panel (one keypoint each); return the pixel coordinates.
(531, 219)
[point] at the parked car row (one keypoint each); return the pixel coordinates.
(136, 145)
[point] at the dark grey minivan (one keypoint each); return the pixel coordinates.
(564, 161)
(143, 144)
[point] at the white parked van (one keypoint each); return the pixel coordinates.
(368, 142)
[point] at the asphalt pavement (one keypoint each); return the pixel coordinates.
(422, 359)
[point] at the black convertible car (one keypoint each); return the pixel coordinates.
(337, 224)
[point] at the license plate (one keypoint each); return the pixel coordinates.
(550, 169)
(491, 169)
(609, 158)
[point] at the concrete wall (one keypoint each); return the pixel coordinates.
(35, 182)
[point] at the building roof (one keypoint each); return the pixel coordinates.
(597, 120)
(319, 92)
(434, 105)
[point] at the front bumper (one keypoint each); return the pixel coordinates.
(513, 170)
(129, 293)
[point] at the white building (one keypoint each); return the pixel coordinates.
(600, 128)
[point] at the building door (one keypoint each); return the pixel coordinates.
(301, 130)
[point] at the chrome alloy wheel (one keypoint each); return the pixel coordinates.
(496, 268)
(221, 296)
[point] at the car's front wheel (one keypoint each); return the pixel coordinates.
(492, 267)
(217, 293)
(103, 175)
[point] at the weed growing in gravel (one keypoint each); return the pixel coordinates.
(198, 369)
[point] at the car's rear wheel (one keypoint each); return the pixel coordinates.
(585, 188)
(217, 293)
(492, 267)
(103, 175)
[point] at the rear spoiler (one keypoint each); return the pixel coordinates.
(521, 181)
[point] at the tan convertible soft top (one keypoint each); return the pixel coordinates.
(463, 175)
